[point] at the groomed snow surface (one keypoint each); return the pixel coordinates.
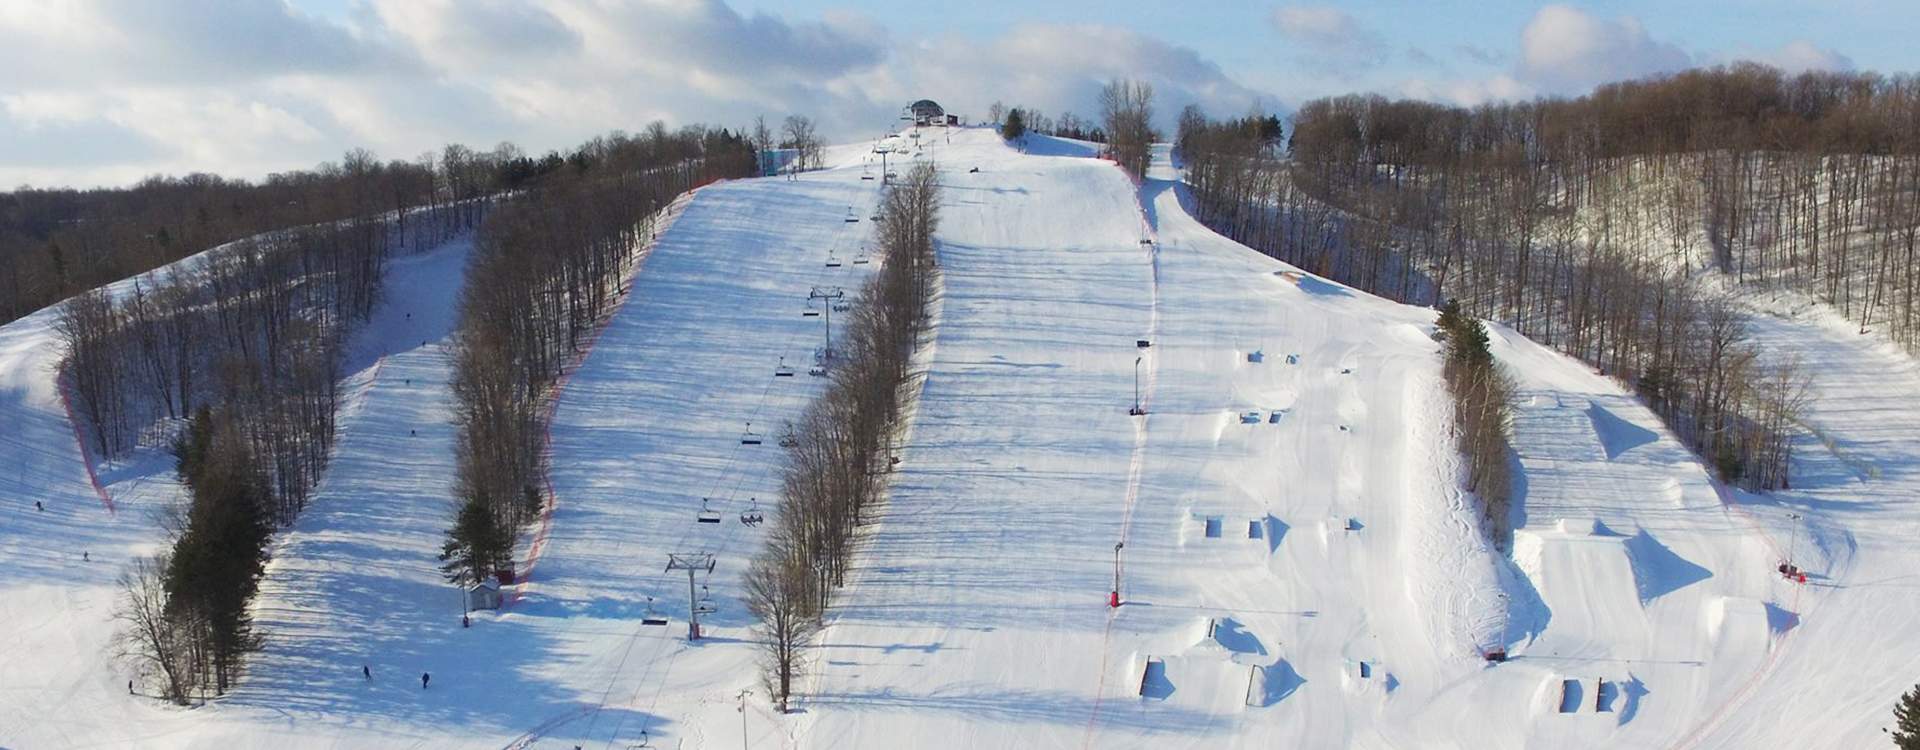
(1299, 566)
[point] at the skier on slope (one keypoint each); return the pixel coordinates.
(424, 678)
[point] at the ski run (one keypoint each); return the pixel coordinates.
(1297, 565)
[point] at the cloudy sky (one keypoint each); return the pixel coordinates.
(103, 92)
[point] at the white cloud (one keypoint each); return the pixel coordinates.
(117, 89)
(1468, 92)
(1567, 50)
(1330, 38)
(1563, 51)
(1798, 56)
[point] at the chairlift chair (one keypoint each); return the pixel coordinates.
(833, 262)
(860, 260)
(705, 605)
(652, 616)
(751, 516)
(842, 306)
(749, 437)
(707, 514)
(782, 370)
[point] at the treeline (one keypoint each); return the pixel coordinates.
(244, 348)
(253, 328)
(248, 341)
(57, 242)
(548, 266)
(841, 448)
(1482, 417)
(1126, 107)
(1018, 121)
(1562, 219)
(1811, 180)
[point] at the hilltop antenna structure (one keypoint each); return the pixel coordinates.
(692, 562)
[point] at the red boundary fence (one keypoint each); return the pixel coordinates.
(80, 441)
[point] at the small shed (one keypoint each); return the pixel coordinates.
(483, 595)
(927, 112)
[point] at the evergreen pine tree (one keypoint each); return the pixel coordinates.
(221, 554)
(476, 545)
(1906, 721)
(1015, 125)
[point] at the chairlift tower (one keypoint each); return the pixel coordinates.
(832, 295)
(692, 562)
(883, 151)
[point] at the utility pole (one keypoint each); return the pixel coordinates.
(691, 562)
(743, 718)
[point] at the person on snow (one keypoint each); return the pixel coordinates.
(424, 678)
(366, 672)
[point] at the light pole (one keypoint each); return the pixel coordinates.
(743, 718)
(1113, 600)
(1793, 537)
(1136, 410)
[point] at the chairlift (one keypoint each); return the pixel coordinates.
(842, 306)
(782, 370)
(833, 262)
(817, 371)
(860, 260)
(810, 311)
(788, 439)
(652, 616)
(705, 605)
(749, 437)
(643, 744)
(707, 514)
(751, 516)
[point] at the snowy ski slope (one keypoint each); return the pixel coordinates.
(1299, 568)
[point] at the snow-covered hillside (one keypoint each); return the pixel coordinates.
(1299, 566)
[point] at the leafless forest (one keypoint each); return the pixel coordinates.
(842, 448)
(1596, 225)
(234, 359)
(549, 263)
